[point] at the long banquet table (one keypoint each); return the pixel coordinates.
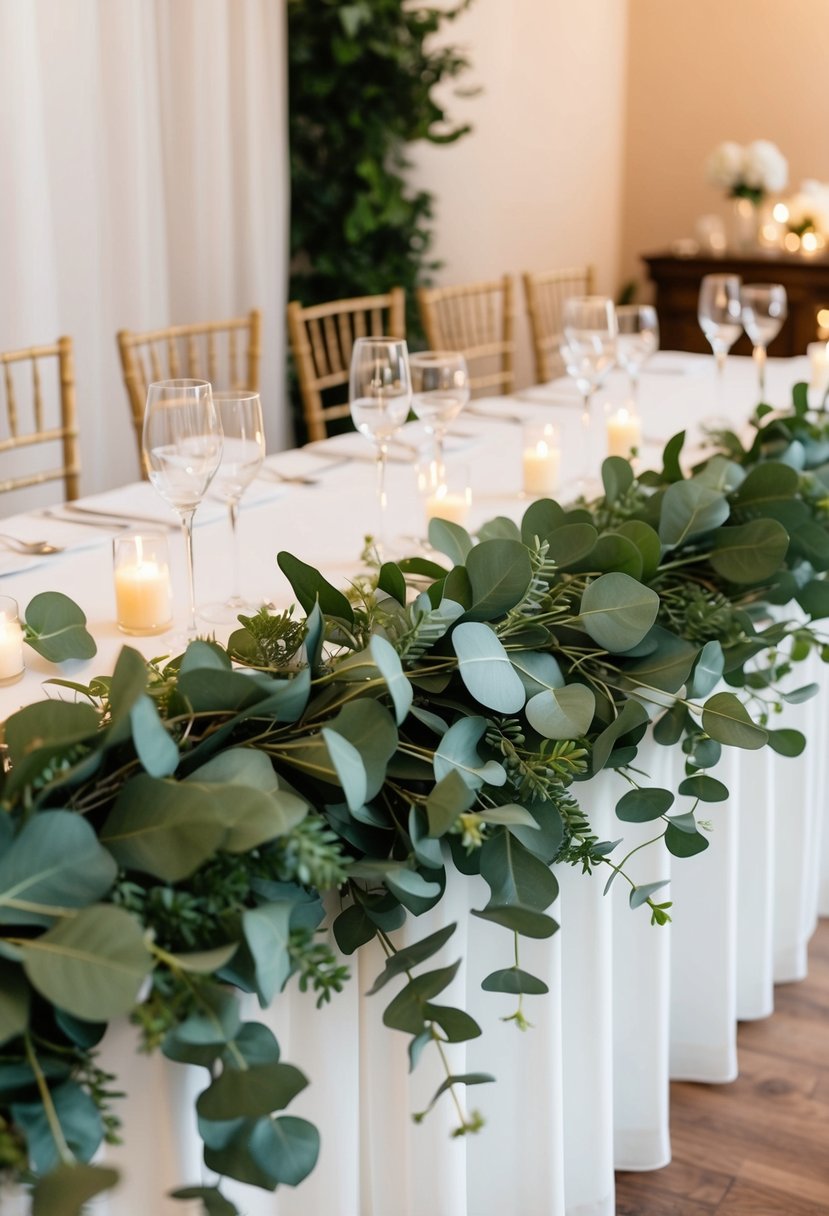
(629, 1006)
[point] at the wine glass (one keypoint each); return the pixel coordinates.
(243, 450)
(720, 314)
(589, 346)
(764, 311)
(380, 393)
(182, 446)
(440, 390)
(638, 339)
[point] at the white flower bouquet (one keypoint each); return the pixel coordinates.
(751, 171)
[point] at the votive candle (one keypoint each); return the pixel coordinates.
(541, 460)
(11, 641)
(452, 505)
(143, 603)
(818, 353)
(623, 432)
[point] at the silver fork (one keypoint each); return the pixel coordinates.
(34, 548)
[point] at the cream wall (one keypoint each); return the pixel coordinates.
(538, 184)
(702, 72)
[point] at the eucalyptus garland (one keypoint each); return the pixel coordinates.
(170, 831)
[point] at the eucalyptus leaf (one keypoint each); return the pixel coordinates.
(65, 1190)
(688, 509)
(684, 844)
(706, 788)
(310, 587)
(15, 996)
(514, 875)
(540, 519)
(79, 1120)
(727, 720)
(617, 611)
(266, 931)
(56, 628)
(562, 713)
(750, 552)
(647, 542)
(485, 668)
(632, 716)
(55, 863)
(643, 805)
(642, 893)
(157, 750)
(449, 538)
(500, 574)
(91, 965)
(212, 1200)
(407, 1011)
(458, 751)
(250, 1093)
(405, 959)
(708, 670)
(786, 742)
(391, 669)
(448, 798)
(514, 981)
(536, 671)
(617, 477)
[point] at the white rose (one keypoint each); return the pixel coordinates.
(725, 165)
(764, 166)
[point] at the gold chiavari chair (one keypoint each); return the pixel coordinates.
(322, 336)
(29, 422)
(227, 353)
(545, 295)
(476, 319)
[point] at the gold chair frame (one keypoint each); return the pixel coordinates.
(478, 320)
(545, 295)
(322, 336)
(143, 362)
(66, 433)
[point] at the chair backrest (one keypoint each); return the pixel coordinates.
(322, 336)
(476, 319)
(545, 295)
(226, 353)
(37, 413)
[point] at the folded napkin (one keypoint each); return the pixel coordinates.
(63, 533)
(355, 446)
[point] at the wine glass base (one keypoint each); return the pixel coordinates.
(228, 611)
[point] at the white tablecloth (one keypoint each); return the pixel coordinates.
(629, 1004)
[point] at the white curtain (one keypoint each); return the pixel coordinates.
(143, 160)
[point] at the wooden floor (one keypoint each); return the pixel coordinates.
(760, 1146)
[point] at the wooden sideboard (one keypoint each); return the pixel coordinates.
(677, 281)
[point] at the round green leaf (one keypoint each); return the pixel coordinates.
(250, 1093)
(706, 788)
(617, 611)
(485, 668)
(92, 965)
(727, 720)
(750, 552)
(562, 713)
(56, 861)
(642, 806)
(514, 981)
(65, 1190)
(499, 573)
(56, 628)
(786, 742)
(688, 509)
(648, 544)
(684, 844)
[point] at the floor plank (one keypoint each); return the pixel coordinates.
(760, 1146)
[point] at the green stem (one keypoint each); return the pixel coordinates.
(51, 1114)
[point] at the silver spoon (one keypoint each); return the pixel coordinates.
(38, 548)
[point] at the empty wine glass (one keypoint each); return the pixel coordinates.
(380, 393)
(637, 340)
(182, 446)
(440, 390)
(243, 450)
(589, 346)
(764, 311)
(720, 314)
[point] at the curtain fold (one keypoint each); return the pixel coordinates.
(144, 154)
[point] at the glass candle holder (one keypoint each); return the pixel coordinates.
(11, 641)
(624, 431)
(541, 459)
(444, 491)
(141, 567)
(818, 353)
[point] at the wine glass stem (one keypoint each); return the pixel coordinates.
(187, 530)
(382, 452)
(233, 513)
(760, 360)
(720, 357)
(634, 386)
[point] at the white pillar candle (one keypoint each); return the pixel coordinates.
(142, 584)
(449, 505)
(818, 353)
(11, 641)
(623, 432)
(541, 465)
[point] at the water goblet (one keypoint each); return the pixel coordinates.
(589, 347)
(380, 394)
(764, 308)
(637, 340)
(720, 314)
(182, 447)
(440, 390)
(243, 450)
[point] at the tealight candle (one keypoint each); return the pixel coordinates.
(142, 583)
(623, 432)
(818, 353)
(448, 504)
(11, 641)
(541, 460)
